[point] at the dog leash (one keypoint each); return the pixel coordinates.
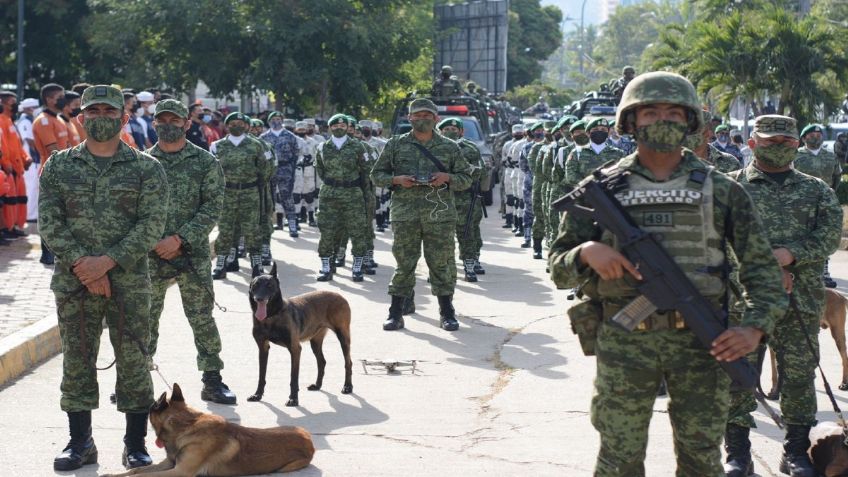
(189, 266)
(794, 305)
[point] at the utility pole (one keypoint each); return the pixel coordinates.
(582, 37)
(20, 54)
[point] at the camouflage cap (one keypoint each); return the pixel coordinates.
(102, 94)
(812, 128)
(422, 104)
(771, 125)
(336, 119)
(581, 124)
(171, 106)
(236, 116)
(450, 122)
(597, 122)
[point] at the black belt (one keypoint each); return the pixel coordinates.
(241, 185)
(332, 182)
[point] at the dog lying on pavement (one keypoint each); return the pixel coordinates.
(205, 444)
(288, 322)
(828, 451)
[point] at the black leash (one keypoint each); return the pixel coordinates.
(189, 267)
(794, 305)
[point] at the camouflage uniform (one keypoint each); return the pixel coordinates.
(534, 162)
(469, 247)
(822, 164)
(344, 174)
(197, 189)
(92, 206)
(246, 167)
(305, 190)
(527, 188)
(722, 161)
(286, 149)
(422, 214)
(630, 366)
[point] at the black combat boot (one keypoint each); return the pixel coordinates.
(537, 249)
(232, 261)
(395, 319)
(80, 450)
(311, 221)
(409, 305)
(340, 259)
(215, 390)
(301, 217)
(518, 231)
(470, 276)
(829, 282)
(357, 269)
(447, 313)
(220, 271)
(508, 224)
(795, 461)
(279, 222)
(333, 263)
(326, 273)
(266, 255)
(738, 448)
(369, 258)
(293, 228)
(255, 265)
(478, 269)
(135, 452)
(380, 222)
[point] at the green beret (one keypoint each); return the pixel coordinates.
(597, 122)
(812, 128)
(612, 124)
(450, 122)
(537, 125)
(422, 104)
(256, 122)
(722, 128)
(351, 121)
(337, 118)
(549, 125)
(274, 114)
(171, 106)
(581, 124)
(102, 94)
(235, 115)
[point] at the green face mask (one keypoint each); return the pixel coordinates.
(338, 133)
(236, 130)
(662, 136)
(813, 143)
(451, 135)
(102, 129)
(693, 141)
(423, 125)
(777, 156)
(169, 132)
(581, 139)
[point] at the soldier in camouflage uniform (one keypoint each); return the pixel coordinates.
(446, 85)
(620, 142)
(535, 141)
(266, 226)
(423, 209)
(546, 169)
(661, 108)
(470, 242)
(803, 221)
(103, 206)
(558, 187)
(246, 162)
(284, 144)
(539, 189)
(582, 160)
(196, 184)
(340, 163)
(817, 161)
(698, 143)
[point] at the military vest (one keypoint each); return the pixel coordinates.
(679, 215)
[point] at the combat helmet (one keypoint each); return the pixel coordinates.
(658, 87)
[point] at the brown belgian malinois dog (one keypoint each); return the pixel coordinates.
(289, 322)
(205, 444)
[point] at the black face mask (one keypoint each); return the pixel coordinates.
(76, 112)
(518, 137)
(60, 103)
(557, 136)
(300, 134)
(366, 133)
(445, 77)
(598, 137)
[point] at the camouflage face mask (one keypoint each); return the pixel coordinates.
(169, 132)
(236, 130)
(102, 129)
(423, 125)
(339, 133)
(776, 156)
(453, 135)
(813, 143)
(693, 141)
(662, 136)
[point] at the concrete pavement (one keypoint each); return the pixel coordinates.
(508, 394)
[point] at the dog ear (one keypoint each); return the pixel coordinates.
(177, 393)
(161, 403)
(274, 269)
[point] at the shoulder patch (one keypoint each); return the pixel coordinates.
(267, 154)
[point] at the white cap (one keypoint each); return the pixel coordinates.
(518, 128)
(144, 96)
(366, 124)
(29, 103)
(300, 125)
(309, 121)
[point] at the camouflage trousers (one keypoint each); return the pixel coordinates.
(555, 193)
(437, 240)
(241, 215)
(81, 325)
(538, 211)
(283, 186)
(469, 248)
(267, 223)
(370, 210)
(630, 368)
(796, 367)
(197, 303)
(527, 194)
(338, 219)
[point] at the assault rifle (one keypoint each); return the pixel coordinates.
(664, 285)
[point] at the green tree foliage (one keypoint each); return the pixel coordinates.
(525, 96)
(534, 34)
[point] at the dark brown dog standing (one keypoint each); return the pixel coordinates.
(288, 322)
(205, 444)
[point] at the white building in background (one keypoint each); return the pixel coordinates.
(608, 7)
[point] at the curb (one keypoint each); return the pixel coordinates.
(29, 347)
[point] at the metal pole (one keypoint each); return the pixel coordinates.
(582, 37)
(20, 54)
